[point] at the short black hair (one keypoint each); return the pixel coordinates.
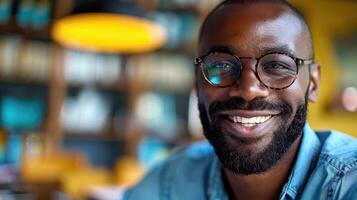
(294, 10)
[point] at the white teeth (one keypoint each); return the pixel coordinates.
(250, 121)
(249, 125)
(243, 120)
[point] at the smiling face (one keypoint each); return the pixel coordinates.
(250, 125)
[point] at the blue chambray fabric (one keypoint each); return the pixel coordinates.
(326, 168)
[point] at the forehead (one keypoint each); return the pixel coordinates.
(253, 28)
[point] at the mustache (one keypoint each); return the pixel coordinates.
(238, 103)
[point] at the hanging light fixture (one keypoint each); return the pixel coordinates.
(108, 26)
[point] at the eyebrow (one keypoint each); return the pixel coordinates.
(267, 50)
(279, 49)
(220, 49)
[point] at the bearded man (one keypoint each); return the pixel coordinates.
(255, 76)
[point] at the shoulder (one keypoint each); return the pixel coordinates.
(336, 170)
(187, 165)
(338, 150)
(194, 153)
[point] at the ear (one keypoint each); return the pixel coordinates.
(314, 81)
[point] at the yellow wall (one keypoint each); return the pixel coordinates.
(330, 19)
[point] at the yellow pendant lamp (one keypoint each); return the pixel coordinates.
(108, 33)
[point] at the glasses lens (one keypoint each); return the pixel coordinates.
(221, 69)
(277, 70)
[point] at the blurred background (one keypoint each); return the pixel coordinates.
(94, 93)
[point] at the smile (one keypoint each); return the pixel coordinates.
(249, 122)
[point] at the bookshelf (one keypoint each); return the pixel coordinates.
(30, 60)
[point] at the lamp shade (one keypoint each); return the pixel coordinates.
(108, 33)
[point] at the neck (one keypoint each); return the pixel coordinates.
(264, 186)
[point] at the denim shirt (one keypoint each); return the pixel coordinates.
(325, 168)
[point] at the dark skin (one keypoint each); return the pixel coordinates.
(250, 30)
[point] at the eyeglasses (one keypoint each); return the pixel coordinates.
(274, 70)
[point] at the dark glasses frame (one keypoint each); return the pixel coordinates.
(298, 61)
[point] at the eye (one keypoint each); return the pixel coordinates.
(278, 69)
(274, 65)
(221, 73)
(220, 68)
(222, 65)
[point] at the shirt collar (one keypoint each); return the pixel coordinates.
(307, 155)
(306, 159)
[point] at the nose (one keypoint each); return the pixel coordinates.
(248, 85)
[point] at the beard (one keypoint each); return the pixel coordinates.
(247, 161)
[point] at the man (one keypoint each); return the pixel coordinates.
(254, 78)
